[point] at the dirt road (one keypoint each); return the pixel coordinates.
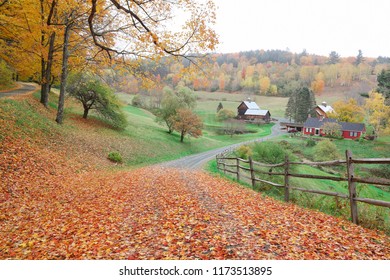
(197, 161)
(22, 89)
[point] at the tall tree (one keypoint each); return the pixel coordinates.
(300, 105)
(359, 58)
(334, 57)
(378, 112)
(384, 84)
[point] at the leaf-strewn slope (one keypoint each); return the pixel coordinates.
(56, 202)
(155, 213)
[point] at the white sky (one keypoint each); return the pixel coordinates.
(319, 26)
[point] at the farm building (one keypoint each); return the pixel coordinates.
(313, 126)
(323, 110)
(249, 110)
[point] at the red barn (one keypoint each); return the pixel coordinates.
(313, 126)
(249, 110)
(323, 110)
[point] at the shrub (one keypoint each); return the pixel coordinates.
(269, 152)
(137, 101)
(310, 142)
(383, 171)
(225, 114)
(243, 152)
(325, 150)
(115, 157)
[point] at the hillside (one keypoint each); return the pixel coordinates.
(61, 199)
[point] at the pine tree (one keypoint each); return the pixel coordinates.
(334, 58)
(384, 84)
(359, 58)
(300, 104)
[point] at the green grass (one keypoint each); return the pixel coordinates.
(209, 101)
(25, 118)
(144, 130)
(369, 216)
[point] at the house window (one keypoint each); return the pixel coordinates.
(353, 134)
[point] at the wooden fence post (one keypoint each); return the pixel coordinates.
(286, 179)
(238, 169)
(252, 172)
(351, 187)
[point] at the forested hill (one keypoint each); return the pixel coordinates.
(270, 72)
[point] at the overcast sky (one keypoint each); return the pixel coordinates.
(344, 26)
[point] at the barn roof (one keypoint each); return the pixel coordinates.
(326, 108)
(345, 126)
(251, 105)
(256, 112)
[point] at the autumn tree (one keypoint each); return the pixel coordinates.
(28, 41)
(5, 74)
(347, 111)
(172, 101)
(378, 113)
(265, 84)
(187, 123)
(317, 86)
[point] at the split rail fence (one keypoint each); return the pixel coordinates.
(235, 165)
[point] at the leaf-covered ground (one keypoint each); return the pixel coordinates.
(57, 202)
(156, 213)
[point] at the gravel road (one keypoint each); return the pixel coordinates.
(197, 161)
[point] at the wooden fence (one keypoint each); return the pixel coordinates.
(234, 165)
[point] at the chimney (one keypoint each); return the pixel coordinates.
(324, 103)
(249, 100)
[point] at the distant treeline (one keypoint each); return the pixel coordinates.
(270, 72)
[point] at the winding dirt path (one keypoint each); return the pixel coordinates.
(23, 88)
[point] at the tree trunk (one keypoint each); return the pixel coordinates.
(86, 110)
(182, 137)
(44, 94)
(47, 83)
(64, 74)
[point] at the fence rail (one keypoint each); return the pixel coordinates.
(236, 168)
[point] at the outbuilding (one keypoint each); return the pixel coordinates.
(249, 110)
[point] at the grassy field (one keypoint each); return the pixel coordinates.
(143, 142)
(142, 126)
(209, 101)
(370, 216)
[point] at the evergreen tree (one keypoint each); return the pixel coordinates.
(220, 106)
(334, 58)
(300, 104)
(384, 84)
(359, 58)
